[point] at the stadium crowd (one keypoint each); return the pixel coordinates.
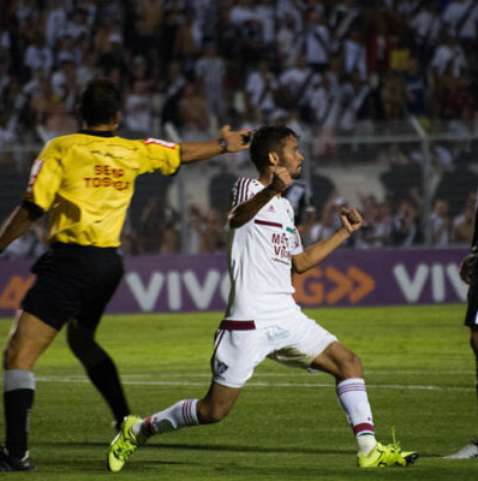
(326, 68)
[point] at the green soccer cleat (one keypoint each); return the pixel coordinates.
(123, 445)
(384, 455)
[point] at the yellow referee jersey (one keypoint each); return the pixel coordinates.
(86, 181)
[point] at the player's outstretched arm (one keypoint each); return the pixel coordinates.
(351, 220)
(246, 211)
(18, 222)
(229, 141)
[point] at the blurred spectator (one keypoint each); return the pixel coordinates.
(405, 227)
(206, 234)
(210, 69)
(440, 223)
(328, 221)
(404, 177)
(316, 41)
(463, 223)
(456, 185)
(192, 107)
(220, 188)
(355, 55)
(138, 109)
(261, 85)
(377, 223)
(449, 55)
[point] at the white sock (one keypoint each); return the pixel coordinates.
(177, 416)
(352, 395)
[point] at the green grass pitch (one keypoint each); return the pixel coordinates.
(287, 424)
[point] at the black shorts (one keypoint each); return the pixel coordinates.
(471, 317)
(73, 282)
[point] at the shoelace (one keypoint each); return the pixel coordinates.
(124, 450)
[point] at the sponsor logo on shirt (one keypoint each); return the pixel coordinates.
(107, 176)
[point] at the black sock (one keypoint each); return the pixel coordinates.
(104, 376)
(17, 406)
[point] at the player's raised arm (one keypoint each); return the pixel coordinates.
(243, 213)
(351, 220)
(229, 141)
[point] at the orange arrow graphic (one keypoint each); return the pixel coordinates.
(366, 284)
(344, 285)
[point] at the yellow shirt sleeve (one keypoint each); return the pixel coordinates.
(45, 177)
(159, 155)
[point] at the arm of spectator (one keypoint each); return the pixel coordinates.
(351, 221)
(18, 222)
(229, 141)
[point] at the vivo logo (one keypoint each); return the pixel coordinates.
(437, 276)
(176, 284)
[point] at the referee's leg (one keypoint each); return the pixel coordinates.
(27, 340)
(99, 367)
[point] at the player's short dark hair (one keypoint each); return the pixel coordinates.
(269, 138)
(100, 102)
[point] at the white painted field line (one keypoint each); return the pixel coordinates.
(410, 387)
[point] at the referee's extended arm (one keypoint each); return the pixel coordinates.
(229, 141)
(18, 222)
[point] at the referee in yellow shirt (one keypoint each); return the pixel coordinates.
(85, 181)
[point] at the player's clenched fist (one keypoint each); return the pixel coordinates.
(281, 179)
(351, 219)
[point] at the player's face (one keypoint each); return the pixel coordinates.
(291, 157)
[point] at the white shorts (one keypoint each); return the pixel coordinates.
(296, 342)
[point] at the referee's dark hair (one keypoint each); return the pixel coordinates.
(269, 138)
(100, 102)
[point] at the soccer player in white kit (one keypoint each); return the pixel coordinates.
(262, 318)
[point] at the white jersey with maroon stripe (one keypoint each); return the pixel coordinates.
(259, 258)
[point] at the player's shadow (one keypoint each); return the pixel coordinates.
(251, 448)
(203, 447)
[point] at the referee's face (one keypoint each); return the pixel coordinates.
(291, 157)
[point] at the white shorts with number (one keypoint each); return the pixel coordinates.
(295, 342)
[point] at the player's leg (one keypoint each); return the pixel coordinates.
(135, 431)
(311, 346)
(351, 390)
(212, 408)
(99, 367)
(236, 353)
(470, 450)
(347, 370)
(106, 272)
(27, 340)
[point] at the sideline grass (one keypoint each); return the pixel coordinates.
(287, 424)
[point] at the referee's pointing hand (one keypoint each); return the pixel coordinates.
(236, 140)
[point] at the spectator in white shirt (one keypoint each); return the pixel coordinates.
(261, 85)
(210, 70)
(38, 55)
(462, 17)
(355, 55)
(449, 54)
(316, 41)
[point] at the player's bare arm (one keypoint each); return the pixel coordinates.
(351, 220)
(246, 211)
(17, 223)
(229, 141)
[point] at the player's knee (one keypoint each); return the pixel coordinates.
(351, 366)
(211, 414)
(15, 358)
(81, 345)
